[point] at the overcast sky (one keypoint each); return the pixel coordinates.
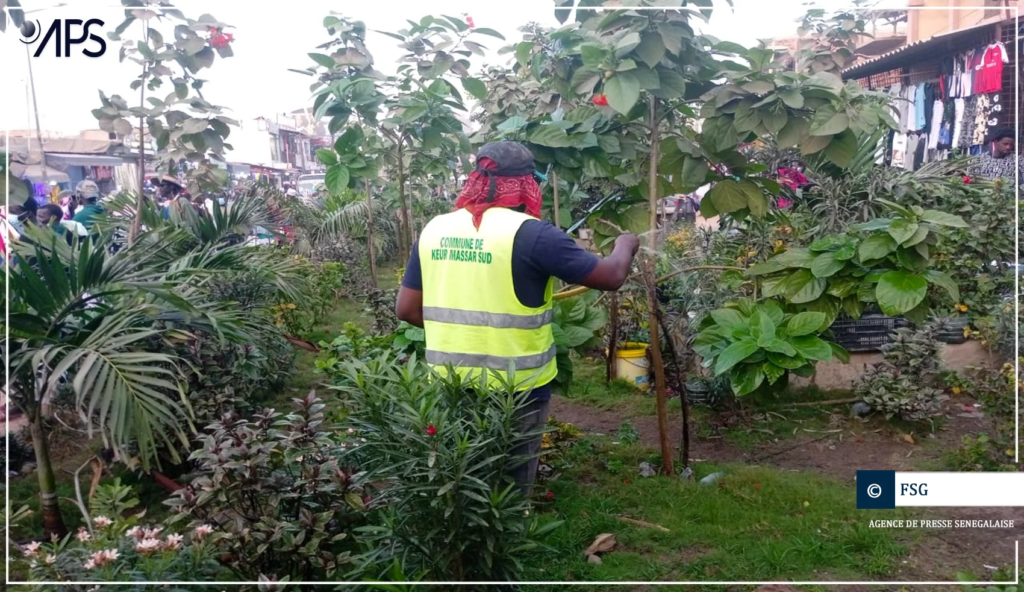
(269, 41)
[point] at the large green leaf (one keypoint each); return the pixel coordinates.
(324, 60)
(670, 84)
(336, 179)
(727, 196)
(734, 354)
(787, 362)
(327, 157)
(842, 149)
(826, 265)
(801, 287)
(902, 230)
(812, 347)
(779, 346)
(827, 121)
(876, 246)
(745, 380)
(762, 328)
(796, 257)
(943, 219)
(765, 267)
(899, 291)
(729, 319)
(622, 91)
(805, 323)
(945, 282)
(475, 87)
(772, 372)
(651, 49)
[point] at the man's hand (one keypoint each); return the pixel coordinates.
(628, 241)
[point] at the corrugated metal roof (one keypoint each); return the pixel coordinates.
(894, 58)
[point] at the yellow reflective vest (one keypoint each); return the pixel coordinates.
(471, 315)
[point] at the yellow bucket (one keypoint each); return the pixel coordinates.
(631, 364)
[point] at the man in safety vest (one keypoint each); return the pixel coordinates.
(480, 280)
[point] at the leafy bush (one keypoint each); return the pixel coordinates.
(280, 492)
(903, 384)
(222, 377)
(577, 327)
(440, 451)
(889, 265)
(977, 453)
(758, 342)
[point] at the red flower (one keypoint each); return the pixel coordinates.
(967, 180)
(469, 20)
(550, 495)
(366, 500)
(626, 481)
(431, 430)
(600, 100)
(218, 39)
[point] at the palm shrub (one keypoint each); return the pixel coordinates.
(281, 493)
(440, 450)
(81, 314)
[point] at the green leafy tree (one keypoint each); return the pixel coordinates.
(190, 132)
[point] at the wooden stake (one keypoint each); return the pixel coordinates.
(661, 396)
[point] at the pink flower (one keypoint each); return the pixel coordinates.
(147, 546)
(469, 21)
(136, 533)
(101, 558)
(173, 542)
(102, 521)
(202, 531)
(83, 534)
(89, 564)
(50, 559)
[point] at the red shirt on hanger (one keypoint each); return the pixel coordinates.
(991, 73)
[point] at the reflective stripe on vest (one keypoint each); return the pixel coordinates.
(473, 320)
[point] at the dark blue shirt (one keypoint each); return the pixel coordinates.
(539, 252)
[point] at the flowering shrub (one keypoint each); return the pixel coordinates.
(120, 550)
(281, 493)
(440, 451)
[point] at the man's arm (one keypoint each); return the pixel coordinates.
(553, 253)
(612, 271)
(409, 307)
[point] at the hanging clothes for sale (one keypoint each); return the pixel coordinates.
(958, 122)
(991, 71)
(967, 123)
(936, 123)
(920, 102)
(982, 112)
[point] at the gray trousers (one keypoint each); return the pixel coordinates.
(531, 418)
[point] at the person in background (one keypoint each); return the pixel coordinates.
(1000, 160)
(88, 195)
(480, 281)
(168, 189)
(51, 216)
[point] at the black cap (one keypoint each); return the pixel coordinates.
(513, 160)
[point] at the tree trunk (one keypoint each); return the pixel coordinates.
(53, 521)
(404, 232)
(661, 396)
(133, 232)
(612, 371)
(684, 451)
(554, 181)
(369, 234)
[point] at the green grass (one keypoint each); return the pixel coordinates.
(758, 523)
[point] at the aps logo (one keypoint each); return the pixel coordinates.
(63, 32)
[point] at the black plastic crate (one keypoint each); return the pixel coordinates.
(867, 334)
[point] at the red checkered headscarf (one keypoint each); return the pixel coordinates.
(504, 179)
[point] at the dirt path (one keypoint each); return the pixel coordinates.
(938, 556)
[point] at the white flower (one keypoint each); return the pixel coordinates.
(102, 521)
(89, 564)
(350, 431)
(83, 534)
(50, 559)
(202, 531)
(146, 546)
(173, 542)
(32, 549)
(363, 440)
